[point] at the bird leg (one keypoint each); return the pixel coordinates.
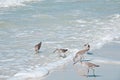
(76, 59)
(93, 72)
(62, 55)
(37, 51)
(82, 58)
(75, 62)
(87, 71)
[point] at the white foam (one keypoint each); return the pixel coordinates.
(31, 74)
(42, 71)
(8, 3)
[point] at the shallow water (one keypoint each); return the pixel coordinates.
(58, 24)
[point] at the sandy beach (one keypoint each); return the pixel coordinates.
(59, 24)
(107, 70)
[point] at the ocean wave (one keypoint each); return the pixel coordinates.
(106, 30)
(9, 3)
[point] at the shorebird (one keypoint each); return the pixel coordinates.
(89, 66)
(80, 53)
(37, 47)
(61, 51)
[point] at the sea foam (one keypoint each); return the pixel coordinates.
(9, 3)
(41, 71)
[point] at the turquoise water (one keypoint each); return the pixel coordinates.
(58, 24)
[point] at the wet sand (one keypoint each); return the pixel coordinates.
(104, 72)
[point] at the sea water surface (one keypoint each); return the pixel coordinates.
(57, 24)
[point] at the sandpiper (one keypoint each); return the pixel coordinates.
(61, 51)
(89, 66)
(81, 52)
(37, 47)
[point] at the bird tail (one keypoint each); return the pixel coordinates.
(97, 66)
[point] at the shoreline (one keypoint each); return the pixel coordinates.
(104, 72)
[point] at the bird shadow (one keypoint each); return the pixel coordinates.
(40, 52)
(92, 75)
(63, 56)
(89, 53)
